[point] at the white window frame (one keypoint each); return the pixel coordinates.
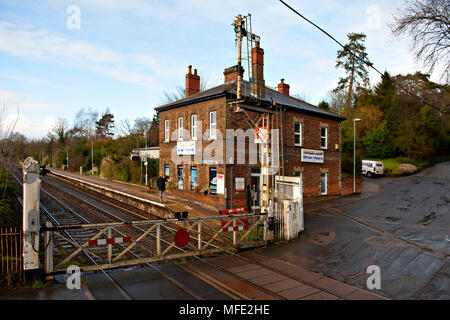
(180, 128)
(298, 134)
(213, 125)
(326, 183)
(166, 130)
(194, 126)
(326, 138)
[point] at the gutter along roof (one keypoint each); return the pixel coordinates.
(229, 89)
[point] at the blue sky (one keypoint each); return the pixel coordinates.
(126, 53)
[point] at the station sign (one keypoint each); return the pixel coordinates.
(315, 156)
(186, 148)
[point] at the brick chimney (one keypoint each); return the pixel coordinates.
(192, 82)
(283, 87)
(231, 74)
(259, 85)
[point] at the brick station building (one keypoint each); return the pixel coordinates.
(209, 113)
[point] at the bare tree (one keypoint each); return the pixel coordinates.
(84, 124)
(61, 130)
(180, 92)
(427, 23)
(6, 132)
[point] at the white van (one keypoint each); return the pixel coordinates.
(371, 168)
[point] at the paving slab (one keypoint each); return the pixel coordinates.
(298, 292)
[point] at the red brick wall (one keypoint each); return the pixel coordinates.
(225, 119)
(202, 110)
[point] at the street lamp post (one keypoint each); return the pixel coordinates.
(92, 157)
(354, 153)
(146, 159)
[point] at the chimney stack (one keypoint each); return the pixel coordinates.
(258, 87)
(231, 74)
(192, 82)
(283, 88)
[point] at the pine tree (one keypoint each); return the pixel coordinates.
(353, 59)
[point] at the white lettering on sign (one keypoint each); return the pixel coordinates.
(315, 156)
(240, 184)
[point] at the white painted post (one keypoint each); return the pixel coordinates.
(234, 232)
(31, 193)
(109, 245)
(48, 243)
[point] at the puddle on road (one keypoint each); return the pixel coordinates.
(427, 219)
(321, 237)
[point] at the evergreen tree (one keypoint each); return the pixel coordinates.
(353, 59)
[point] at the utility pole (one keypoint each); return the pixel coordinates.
(67, 158)
(238, 30)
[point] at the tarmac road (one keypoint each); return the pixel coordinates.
(400, 224)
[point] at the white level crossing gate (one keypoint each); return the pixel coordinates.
(121, 244)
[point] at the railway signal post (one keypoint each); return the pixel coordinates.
(31, 198)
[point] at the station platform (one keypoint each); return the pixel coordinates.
(195, 209)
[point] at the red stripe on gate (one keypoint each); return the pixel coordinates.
(237, 228)
(231, 211)
(93, 243)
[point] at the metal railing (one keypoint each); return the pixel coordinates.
(11, 252)
(121, 244)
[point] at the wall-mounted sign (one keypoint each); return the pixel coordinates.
(186, 148)
(220, 183)
(240, 184)
(315, 156)
(261, 134)
(210, 162)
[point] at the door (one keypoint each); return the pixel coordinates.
(255, 185)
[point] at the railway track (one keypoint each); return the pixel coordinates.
(69, 216)
(84, 207)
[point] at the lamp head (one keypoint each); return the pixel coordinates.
(356, 120)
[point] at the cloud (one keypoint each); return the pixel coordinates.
(32, 121)
(44, 46)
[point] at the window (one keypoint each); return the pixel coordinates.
(180, 129)
(213, 125)
(212, 180)
(297, 133)
(323, 183)
(323, 137)
(180, 177)
(166, 131)
(194, 127)
(193, 177)
(166, 170)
